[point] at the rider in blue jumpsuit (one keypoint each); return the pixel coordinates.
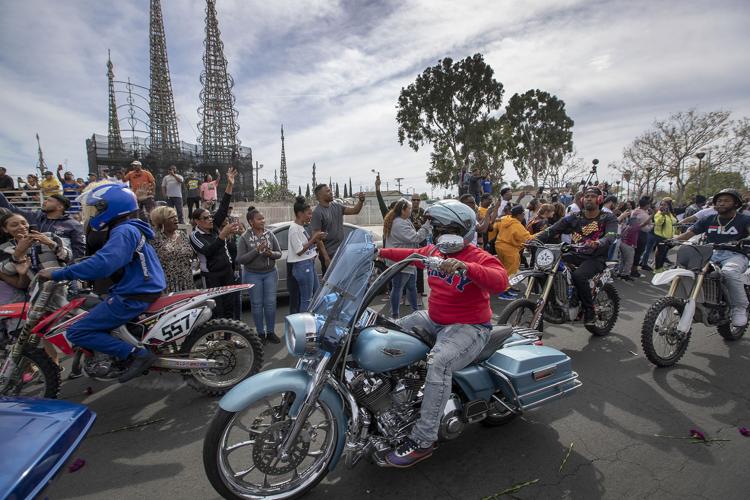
(131, 261)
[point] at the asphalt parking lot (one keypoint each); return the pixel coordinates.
(624, 434)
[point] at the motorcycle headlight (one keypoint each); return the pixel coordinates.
(545, 258)
(301, 333)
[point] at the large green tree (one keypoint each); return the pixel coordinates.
(449, 106)
(541, 133)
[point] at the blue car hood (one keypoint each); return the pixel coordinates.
(37, 436)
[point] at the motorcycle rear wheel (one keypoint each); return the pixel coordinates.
(520, 312)
(227, 340)
(606, 309)
(42, 374)
(498, 416)
(662, 344)
(255, 472)
(729, 332)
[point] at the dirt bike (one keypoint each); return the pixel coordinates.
(357, 388)
(558, 301)
(697, 294)
(213, 355)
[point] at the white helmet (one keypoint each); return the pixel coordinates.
(451, 217)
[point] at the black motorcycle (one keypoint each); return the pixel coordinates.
(558, 301)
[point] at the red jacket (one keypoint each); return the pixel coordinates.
(460, 299)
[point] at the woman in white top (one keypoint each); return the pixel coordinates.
(302, 252)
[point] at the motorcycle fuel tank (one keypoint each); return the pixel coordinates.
(379, 349)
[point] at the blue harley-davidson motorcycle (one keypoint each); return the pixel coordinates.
(357, 387)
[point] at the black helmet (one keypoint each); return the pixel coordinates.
(733, 193)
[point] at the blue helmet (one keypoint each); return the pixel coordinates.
(111, 200)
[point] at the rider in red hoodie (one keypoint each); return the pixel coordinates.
(458, 316)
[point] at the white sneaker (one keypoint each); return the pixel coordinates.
(739, 317)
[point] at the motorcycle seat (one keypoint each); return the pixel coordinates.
(498, 336)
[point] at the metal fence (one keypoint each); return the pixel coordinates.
(281, 212)
(29, 199)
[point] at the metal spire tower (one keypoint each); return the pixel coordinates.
(165, 140)
(284, 179)
(114, 138)
(41, 165)
(218, 124)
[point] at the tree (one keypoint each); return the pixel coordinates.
(569, 171)
(346, 193)
(541, 133)
(351, 191)
(299, 190)
(307, 191)
(448, 106)
(669, 149)
(336, 192)
(269, 191)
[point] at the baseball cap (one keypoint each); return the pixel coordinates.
(136, 163)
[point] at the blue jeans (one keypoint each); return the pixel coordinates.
(176, 203)
(400, 282)
(93, 331)
(650, 244)
(733, 266)
(455, 347)
(263, 299)
(307, 281)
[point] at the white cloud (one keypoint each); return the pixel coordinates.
(331, 71)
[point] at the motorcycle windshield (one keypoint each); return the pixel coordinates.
(344, 286)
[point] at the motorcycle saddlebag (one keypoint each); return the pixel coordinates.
(538, 373)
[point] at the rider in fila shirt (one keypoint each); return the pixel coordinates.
(726, 226)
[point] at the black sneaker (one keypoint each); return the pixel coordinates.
(408, 454)
(272, 338)
(74, 374)
(636, 274)
(589, 317)
(646, 268)
(140, 361)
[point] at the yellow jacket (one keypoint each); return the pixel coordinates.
(511, 235)
(664, 225)
(51, 186)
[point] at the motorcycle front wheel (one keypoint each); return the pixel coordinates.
(606, 309)
(520, 313)
(662, 343)
(240, 451)
(229, 341)
(39, 376)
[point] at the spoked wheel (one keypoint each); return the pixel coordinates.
(662, 343)
(39, 377)
(730, 332)
(241, 451)
(606, 309)
(238, 350)
(520, 313)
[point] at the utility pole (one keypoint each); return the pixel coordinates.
(257, 175)
(398, 181)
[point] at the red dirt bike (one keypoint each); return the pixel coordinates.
(213, 355)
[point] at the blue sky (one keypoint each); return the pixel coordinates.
(331, 71)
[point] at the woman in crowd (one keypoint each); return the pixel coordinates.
(208, 191)
(258, 252)
(302, 252)
(541, 220)
(209, 240)
(664, 222)
(531, 209)
(24, 254)
(630, 229)
(399, 232)
(174, 250)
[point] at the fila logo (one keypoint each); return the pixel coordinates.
(723, 230)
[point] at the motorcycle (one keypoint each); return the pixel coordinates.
(357, 387)
(697, 294)
(213, 355)
(558, 301)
